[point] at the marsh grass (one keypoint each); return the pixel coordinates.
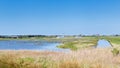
(84, 58)
(83, 42)
(70, 45)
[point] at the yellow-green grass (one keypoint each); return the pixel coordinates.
(84, 58)
(80, 43)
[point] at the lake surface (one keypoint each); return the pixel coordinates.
(103, 44)
(30, 45)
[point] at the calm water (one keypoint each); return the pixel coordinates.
(29, 45)
(103, 44)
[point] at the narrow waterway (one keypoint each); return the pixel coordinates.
(103, 44)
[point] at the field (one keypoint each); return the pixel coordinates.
(83, 54)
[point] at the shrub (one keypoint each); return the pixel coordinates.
(115, 51)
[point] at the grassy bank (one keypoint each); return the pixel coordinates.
(84, 58)
(82, 42)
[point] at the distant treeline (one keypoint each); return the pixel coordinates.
(50, 36)
(23, 36)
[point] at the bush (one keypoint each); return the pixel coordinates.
(115, 51)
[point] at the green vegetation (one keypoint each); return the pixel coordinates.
(115, 51)
(69, 45)
(26, 59)
(82, 42)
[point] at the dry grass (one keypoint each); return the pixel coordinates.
(84, 58)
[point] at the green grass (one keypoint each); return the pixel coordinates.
(69, 45)
(80, 43)
(26, 59)
(115, 51)
(113, 39)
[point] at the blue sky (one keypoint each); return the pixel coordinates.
(59, 17)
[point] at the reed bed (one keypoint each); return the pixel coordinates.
(84, 58)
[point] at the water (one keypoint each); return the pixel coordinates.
(103, 44)
(29, 45)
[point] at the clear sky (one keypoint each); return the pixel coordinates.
(59, 17)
